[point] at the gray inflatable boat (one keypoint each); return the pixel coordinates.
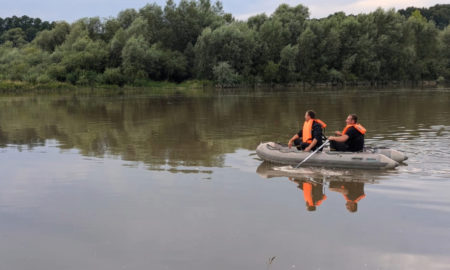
(369, 159)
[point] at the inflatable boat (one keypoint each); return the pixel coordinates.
(382, 158)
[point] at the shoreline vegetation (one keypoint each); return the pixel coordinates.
(21, 87)
(196, 45)
(18, 88)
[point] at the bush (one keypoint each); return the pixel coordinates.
(30, 77)
(113, 76)
(86, 77)
(271, 72)
(72, 77)
(335, 76)
(225, 75)
(44, 78)
(58, 72)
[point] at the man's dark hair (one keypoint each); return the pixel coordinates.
(354, 117)
(311, 114)
(352, 207)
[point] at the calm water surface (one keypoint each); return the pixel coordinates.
(173, 182)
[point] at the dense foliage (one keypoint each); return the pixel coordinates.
(198, 40)
(440, 14)
(25, 27)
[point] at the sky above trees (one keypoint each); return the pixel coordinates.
(69, 10)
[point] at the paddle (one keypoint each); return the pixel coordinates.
(303, 161)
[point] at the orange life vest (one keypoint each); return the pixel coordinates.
(308, 195)
(356, 200)
(358, 127)
(307, 129)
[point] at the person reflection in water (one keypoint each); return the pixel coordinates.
(312, 192)
(353, 192)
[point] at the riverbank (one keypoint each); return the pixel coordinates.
(19, 87)
(8, 87)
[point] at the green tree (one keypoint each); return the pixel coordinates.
(126, 17)
(153, 20)
(307, 55)
(14, 35)
(445, 50)
(293, 20)
(271, 35)
(387, 37)
(116, 46)
(140, 27)
(134, 58)
(110, 27)
(255, 22)
(318, 53)
(49, 39)
(185, 22)
(271, 72)
(287, 67)
(79, 56)
(440, 14)
(423, 43)
(29, 26)
(232, 43)
(176, 66)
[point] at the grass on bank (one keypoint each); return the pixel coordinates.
(190, 87)
(21, 87)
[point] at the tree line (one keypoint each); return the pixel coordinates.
(439, 14)
(22, 29)
(198, 40)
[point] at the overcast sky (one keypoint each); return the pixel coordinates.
(71, 10)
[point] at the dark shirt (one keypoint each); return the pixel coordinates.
(355, 189)
(355, 140)
(316, 134)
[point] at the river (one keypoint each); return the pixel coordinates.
(172, 181)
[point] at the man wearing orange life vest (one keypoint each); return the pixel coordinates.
(311, 134)
(351, 139)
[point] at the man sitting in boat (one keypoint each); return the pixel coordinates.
(351, 139)
(311, 134)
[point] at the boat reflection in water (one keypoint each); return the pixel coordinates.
(314, 181)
